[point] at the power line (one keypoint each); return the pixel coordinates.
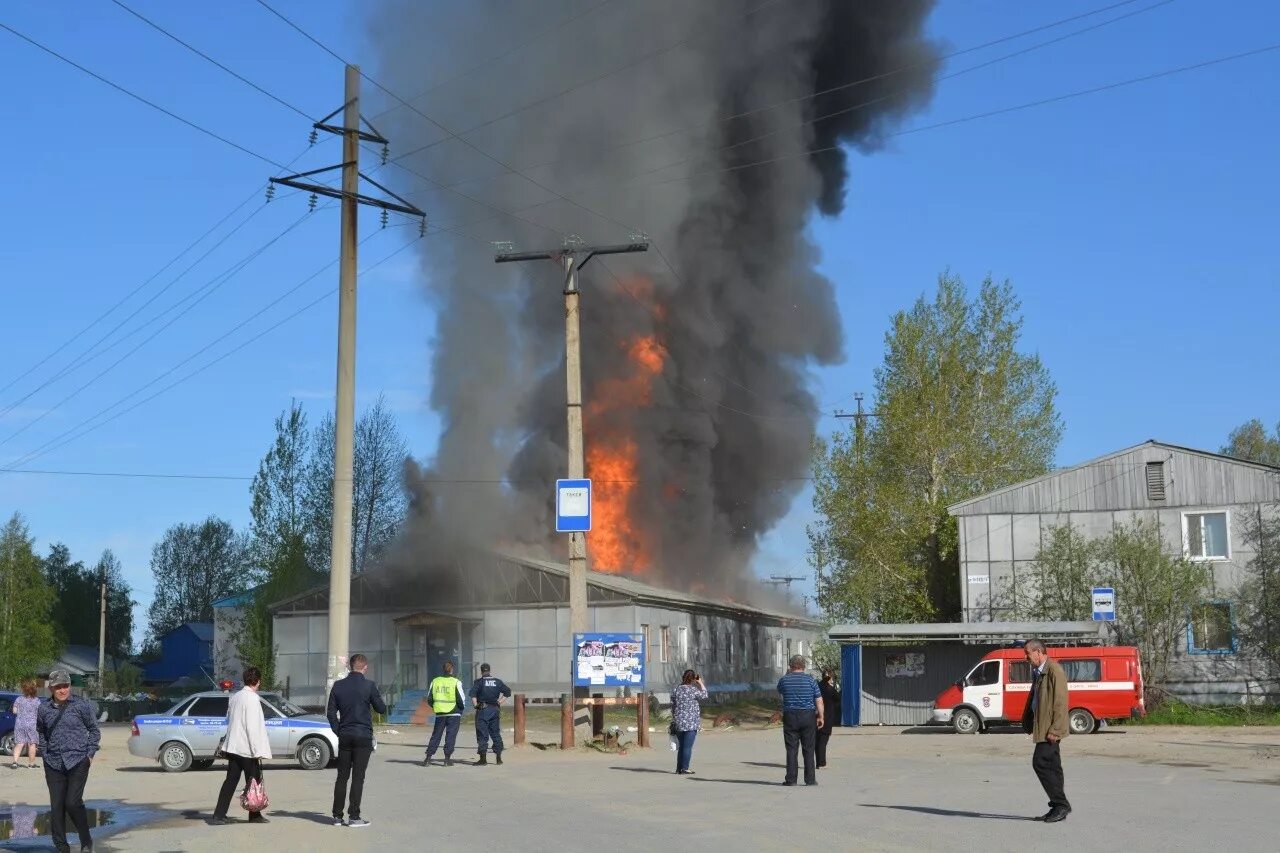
(557, 26)
(188, 122)
(450, 132)
(84, 428)
(1016, 108)
(208, 291)
(538, 102)
(86, 356)
(880, 76)
(210, 59)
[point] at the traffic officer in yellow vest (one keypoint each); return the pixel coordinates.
(447, 701)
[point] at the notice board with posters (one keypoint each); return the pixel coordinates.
(608, 660)
(908, 665)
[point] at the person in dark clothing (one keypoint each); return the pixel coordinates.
(830, 702)
(67, 727)
(351, 702)
(487, 694)
(801, 719)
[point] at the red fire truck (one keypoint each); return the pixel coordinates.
(1103, 683)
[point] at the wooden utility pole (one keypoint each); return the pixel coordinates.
(573, 257)
(352, 134)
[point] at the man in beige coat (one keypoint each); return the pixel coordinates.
(1045, 719)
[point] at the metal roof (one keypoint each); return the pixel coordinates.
(1058, 472)
(943, 631)
(641, 591)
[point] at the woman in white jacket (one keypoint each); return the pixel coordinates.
(246, 745)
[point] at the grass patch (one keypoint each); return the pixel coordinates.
(1172, 713)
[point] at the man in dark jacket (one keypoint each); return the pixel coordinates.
(69, 736)
(487, 694)
(1045, 719)
(350, 703)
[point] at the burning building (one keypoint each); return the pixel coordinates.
(513, 613)
(718, 129)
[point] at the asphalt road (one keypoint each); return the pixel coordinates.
(885, 789)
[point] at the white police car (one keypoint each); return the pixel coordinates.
(187, 735)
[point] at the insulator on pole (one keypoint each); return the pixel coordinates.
(386, 152)
(422, 227)
(384, 217)
(315, 134)
(271, 192)
(311, 202)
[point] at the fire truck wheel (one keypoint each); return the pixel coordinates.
(966, 721)
(1081, 722)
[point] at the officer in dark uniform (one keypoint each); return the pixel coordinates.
(487, 693)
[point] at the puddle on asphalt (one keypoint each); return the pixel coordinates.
(19, 823)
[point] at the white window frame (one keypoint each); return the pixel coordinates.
(682, 638)
(664, 643)
(1186, 540)
(778, 660)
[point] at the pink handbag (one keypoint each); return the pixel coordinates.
(254, 798)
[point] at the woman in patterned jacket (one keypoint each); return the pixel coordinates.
(686, 717)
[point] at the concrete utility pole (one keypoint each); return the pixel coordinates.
(573, 258)
(344, 414)
(102, 641)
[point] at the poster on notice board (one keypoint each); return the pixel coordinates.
(608, 660)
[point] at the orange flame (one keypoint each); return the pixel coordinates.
(618, 541)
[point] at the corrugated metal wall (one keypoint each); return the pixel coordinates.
(891, 698)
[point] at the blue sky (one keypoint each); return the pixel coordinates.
(1137, 225)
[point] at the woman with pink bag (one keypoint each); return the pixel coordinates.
(246, 746)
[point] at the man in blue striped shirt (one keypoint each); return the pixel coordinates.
(801, 718)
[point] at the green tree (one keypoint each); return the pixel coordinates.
(75, 609)
(194, 565)
(1258, 599)
(1155, 590)
(119, 605)
(378, 498)
(124, 679)
(959, 411)
(1251, 442)
(278, 493)
(27, 635)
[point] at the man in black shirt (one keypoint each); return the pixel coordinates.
(350, 702)
(488, 693)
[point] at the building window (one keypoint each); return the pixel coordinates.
(1210, 630)
(1155, 481)
(699, 650)
(684, 644)
(664, 655)
(1205, 535)
(778, 662)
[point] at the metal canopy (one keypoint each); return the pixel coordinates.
(997, 632)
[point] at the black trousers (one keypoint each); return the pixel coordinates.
(447, 726)
(237, 765)
(820, 747)
(1047, 762)
(353, 760)
(489, 728)
(66, 797)
(800, 731)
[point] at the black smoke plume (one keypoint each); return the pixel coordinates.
(717, 128)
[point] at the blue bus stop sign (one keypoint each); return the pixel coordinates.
(1104, 604)
(573, 506)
